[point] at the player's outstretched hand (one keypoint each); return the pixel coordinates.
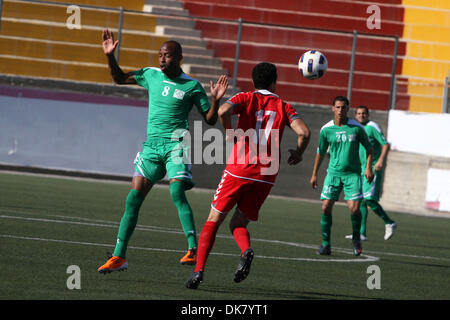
(218, 90)
(294, 158)
(109, 45)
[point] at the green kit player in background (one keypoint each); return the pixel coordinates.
(342, 136)
(172, 94)
(371, 191)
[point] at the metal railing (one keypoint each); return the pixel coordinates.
(240, 23)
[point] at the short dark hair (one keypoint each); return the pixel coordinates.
(341, 98)
(264, 74)
(176, 46)
(363, 107)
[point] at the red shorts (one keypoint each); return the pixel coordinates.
(249, 195)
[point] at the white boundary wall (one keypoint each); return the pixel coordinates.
(57, 134)
(418, 167)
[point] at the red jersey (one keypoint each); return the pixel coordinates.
(262, 116)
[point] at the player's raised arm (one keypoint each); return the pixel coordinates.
(109, 46)
(217, 92)
(303, 134)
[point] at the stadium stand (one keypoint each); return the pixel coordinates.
(282, 41)
(299, 26)
(427, 62)
(36, 42)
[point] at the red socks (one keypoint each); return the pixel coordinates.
(205, 244)
(242, 238)
(207, 238)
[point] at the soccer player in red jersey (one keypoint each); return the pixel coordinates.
(253, 164)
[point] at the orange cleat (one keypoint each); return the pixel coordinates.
(113, 264)
(190, 258)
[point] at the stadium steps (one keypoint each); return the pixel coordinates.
(136, 5)
(283, 42)
(174, 22)
(165, 7)
(36, 42)
(421, 25)
(306, 14)
(427, 63)
(391, 10)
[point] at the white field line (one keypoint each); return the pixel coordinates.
(110, 224)
(107, 224)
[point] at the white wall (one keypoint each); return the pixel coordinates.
(78, 136)
(421, 133)
(417, 177)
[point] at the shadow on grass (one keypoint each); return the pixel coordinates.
(263, 293)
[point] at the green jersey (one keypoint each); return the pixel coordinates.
(343, 143)
(170, 101)
(377, 140)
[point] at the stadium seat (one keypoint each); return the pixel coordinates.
(35, 41)
(281, 32)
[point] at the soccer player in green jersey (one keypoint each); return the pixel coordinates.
(342, 136)
(371, 191)
(172, 95)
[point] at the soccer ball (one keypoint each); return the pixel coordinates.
(312, 64)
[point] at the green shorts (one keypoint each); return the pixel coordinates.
(371, 191)
(333, 185)
(161, 156)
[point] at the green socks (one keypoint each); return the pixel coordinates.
(356, 225)
(325, 226)
(177, 192)
(130, 217)
(364, 213)
(375, 206)
(128, 222)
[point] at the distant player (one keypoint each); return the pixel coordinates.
(172, 94)
(342, 136)
(252, 166)
(371, 191)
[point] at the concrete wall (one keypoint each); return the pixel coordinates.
(61, 133)
(99, 133)
(405, 182)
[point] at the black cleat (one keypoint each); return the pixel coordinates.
(357, 249)
(194, 280)
(324, 250)
(243, 268)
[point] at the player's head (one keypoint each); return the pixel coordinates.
(264, 76)
(341, 99)
(340, 107)
(170, 56)
(362, 114)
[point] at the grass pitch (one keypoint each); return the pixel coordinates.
(50, 223)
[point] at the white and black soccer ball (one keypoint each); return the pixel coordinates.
(312, 64)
